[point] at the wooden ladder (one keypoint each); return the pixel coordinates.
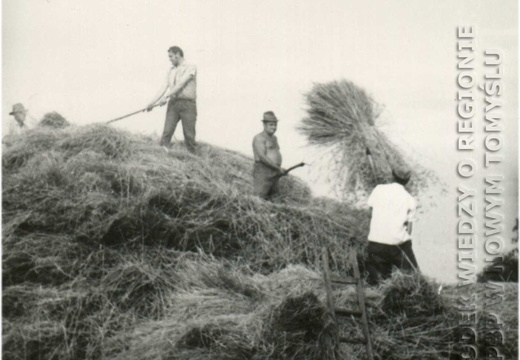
(333, 311)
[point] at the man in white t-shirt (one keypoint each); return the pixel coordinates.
(389, 240)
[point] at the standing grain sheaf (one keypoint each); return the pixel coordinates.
(342, 117)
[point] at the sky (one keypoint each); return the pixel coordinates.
(97, 60)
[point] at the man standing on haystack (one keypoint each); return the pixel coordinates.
(20, 124)
(389, 240)
(268, 159)
(180, 92)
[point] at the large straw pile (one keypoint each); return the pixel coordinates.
(99, 186)
(216, 311)
(116, 249)
(93, 216)
(343, 118)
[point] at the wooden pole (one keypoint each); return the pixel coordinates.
(326, 277)
(128, 115)
(362, 307)
(330, 300)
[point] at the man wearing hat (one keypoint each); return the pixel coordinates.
(268, 159)
(21, 123)
(389, 240)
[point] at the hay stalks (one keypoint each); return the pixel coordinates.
(115, 249)
(53, 120)
(342, 117)
(106, 216)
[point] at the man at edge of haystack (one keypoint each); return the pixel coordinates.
(21, 123)
(18, 126)
(389, 240)
(180, 92)
(268, 159)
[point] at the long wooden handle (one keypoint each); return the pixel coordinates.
(128, 115)
(295, 166)
(289, 169)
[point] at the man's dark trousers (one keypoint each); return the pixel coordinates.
(382, 258)
(185, 110)
(265, 181)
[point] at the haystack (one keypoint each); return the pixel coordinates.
(220, 312)
(54, 120)
(95, 221)
(116, 249)
(342, 118)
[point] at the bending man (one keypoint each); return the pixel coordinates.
(389, 240)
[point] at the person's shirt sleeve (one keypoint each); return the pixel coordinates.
(191, 70)
(169, 74)
(412, 209)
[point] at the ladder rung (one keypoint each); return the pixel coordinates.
(347, 312)
(343, 280)
(352, 340)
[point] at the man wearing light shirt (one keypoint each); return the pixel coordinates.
(180, 92)
(389, 240)
(19, 126)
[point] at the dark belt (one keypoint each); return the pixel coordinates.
(183, 99)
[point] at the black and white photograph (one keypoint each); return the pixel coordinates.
(260, 180)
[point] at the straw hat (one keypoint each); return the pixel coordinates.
(269, 116)
(18, 108)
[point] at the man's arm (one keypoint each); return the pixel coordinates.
(6, 140)
(159, 95)
(259, 149)
(409, 226)
(411, 215)
(8, 135)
